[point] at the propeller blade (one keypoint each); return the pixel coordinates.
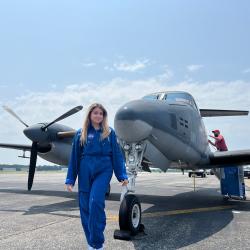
(67, 114)
(32, 167)
(66, 134)
(15, 115)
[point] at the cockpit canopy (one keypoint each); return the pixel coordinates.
(173, 97)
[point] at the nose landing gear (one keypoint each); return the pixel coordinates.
(130, 207)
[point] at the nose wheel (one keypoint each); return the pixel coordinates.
(129, 218)
(130, 214)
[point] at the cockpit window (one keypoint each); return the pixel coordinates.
(151, 97)
(180, 97)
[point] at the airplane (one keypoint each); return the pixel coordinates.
(166, 130)
(51, 141)
(163, 129)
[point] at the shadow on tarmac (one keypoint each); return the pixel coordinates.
(165, 232)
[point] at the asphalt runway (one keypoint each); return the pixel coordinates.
(175, 216)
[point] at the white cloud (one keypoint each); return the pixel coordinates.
(245, 71)
(194, 67)
(35, 107)
(166, 75)
(88, 64)
(131, 67)
(108, 68)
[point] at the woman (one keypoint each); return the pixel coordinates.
(95, 154)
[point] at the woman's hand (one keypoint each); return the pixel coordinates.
(69, 187)
(124, 182)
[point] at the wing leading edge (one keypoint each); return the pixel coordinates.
(219, 112)
(237, 157)
(15, 146)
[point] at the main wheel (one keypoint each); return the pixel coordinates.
(130, 214)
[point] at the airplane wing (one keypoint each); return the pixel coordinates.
(237, 157)
(218, 112)
(15, 146)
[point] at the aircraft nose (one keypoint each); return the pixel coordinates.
(132, 121)
(126, 112)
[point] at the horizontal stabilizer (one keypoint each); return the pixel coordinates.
(15, 146)
(218, 112)
(237, 157)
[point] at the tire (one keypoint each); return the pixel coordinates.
(189, 174)
(130, 214)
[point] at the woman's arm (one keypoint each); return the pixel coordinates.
(118, 159)
(74, 161)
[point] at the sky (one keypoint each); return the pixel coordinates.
(55, 55)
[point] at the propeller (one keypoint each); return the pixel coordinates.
(69, 113)
(32, 167)
(35, 134)
(15, 115)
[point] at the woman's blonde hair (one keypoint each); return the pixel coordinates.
(87, 121)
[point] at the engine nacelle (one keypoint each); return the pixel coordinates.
(59, 153)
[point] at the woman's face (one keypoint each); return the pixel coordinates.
(96, 115)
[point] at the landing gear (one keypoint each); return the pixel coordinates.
(130, 207)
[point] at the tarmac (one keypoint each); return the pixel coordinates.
(174, 214)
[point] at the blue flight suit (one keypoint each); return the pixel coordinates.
(94, 163)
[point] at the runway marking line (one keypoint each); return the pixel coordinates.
(175, 212)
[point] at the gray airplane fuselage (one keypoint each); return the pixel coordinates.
(174, 131)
